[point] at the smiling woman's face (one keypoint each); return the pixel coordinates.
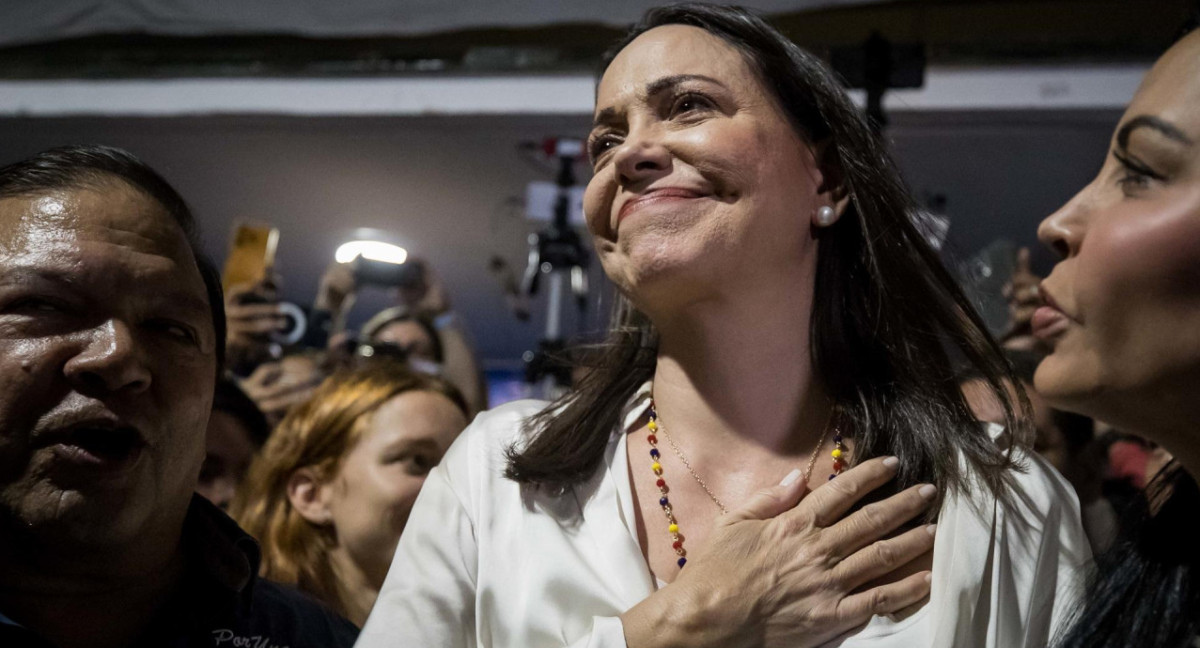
(1124, 303)
(701, 184)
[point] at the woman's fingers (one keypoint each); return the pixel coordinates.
(885, 599)
(770, 502)
(877, 519)
(1023, 265)
(884, 557)
(832, 499)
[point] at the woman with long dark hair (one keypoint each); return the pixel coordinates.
(780, 320)
(1122, 316)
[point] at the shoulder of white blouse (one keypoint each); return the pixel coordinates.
(1042, 502)
(1038, 486)
(484, 444)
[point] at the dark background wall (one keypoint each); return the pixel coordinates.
(450, 187)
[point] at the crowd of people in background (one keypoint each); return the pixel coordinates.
(170, 474)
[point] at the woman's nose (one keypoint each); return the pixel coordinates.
(641, 158)
(1063, 230)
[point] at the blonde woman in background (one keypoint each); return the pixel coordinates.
(332, 490)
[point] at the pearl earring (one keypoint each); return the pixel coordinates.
(826, 216)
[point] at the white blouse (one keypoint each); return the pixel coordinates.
(484, 562)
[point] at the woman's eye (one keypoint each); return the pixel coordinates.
(424, 463)
(420, 464)
(1135, 176)
(1132, 180)
(600, 145)
(689, 103)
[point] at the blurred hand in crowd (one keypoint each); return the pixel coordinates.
(253, 316)
(1023, 299)
(427, 296)
(279, 385)
(337, 289)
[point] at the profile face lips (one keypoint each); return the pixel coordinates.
(1049, 321)
(656, 196)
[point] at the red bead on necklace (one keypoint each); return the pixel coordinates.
(663, 501)
(677, 538)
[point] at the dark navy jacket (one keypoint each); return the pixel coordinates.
(221, 602)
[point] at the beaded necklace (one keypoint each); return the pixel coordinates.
(663, 501)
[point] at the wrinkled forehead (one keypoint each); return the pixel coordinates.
(1171, 90)
(108, 214)
(672, 50)
(108, 239)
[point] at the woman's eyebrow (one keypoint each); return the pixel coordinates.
(1163, 126)
(609, 115)
(659, 85)
(606, 116)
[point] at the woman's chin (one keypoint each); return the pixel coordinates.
(655, 274)
(1067, 386)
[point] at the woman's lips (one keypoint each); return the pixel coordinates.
(654, 197)
(1049, 322)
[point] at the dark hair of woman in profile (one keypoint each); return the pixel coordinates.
(1145, 590)
(89, 166)
(888, 320)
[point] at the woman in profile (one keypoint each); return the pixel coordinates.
(1121, 314)
(780, 321)
(331, 492)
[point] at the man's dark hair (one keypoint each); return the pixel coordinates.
(1189, 25)
(230, 398)
(70, 167)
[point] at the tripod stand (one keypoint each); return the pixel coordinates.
(557, 252)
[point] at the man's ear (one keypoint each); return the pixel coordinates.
(309, 497)
(833, 185)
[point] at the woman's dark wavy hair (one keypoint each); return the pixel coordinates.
(888, 320)
(72, 167)
(1145, 590)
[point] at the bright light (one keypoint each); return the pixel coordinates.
(372, 250)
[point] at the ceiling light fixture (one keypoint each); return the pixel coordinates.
(371, 250)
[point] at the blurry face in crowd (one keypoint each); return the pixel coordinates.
(1123, 314)
(370, 497)
(107, 366)
(698, 173)
(228, 452)
(410, 336)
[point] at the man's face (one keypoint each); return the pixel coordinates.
(107, 361)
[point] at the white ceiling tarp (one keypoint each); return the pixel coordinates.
(31, 21)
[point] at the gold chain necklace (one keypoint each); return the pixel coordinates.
(655, 426)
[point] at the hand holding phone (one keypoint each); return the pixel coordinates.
(425, 295)
(251, 255)
(254, 319)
